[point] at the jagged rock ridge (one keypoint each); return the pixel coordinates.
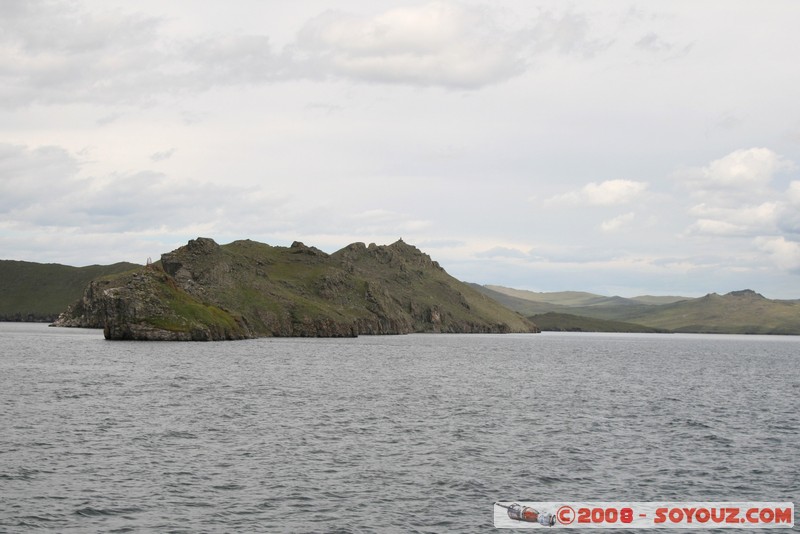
(205, 291)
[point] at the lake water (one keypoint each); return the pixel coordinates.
(417, 433)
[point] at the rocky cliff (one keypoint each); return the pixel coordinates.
(39, 292)
(204, 291)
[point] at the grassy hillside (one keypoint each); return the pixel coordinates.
(575, 303)
(738, 312)
(564, 322)
(524, 306)
(562, 298)
(250, 289)
(39, 292)
(741, 312)
(658, 299)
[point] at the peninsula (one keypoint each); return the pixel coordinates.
(205, 291)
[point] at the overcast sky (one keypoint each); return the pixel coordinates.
(617, 147)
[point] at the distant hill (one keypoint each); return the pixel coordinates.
(745, 312)
(204, 291)
(738, 312)
(565, 322)
(40, 291)
(570, 302)
(656, 299)
(572, 299)
(299, 290)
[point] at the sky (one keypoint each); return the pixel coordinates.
(616, 147)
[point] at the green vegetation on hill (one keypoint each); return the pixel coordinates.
(738, 312)
(249, 289)
(745, 312)
(245, 289)
(564, 322)
(40, 291)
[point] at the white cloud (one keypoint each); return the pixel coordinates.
(743, 220)
(59, 52)
(452, 45)
(788, 216)
(716, 228)
(613, 192)
(785, 254)
(608, 193)
(793, 193)
(502, 252)
(567, 33)
(229, 59)
(739, 198)
(652, 42)
(44, 187)
(741, 174)
(162, 155)
(380, 222)
(29, 175)
(441, 243)
(617, 222)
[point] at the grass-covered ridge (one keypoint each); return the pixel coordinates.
(565, 322)
(737, 312)
(40, 291)
(249, 289)
(184, 313)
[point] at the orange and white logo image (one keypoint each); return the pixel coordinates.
(527, 514)
(629, 515)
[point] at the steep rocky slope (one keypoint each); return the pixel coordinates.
(38, 292)
(204, 291)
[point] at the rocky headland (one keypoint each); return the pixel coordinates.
(206, 291)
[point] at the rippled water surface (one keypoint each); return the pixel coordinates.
(404, 433)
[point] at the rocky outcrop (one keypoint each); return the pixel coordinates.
(90, 310)
(204, 291)
(149, 305)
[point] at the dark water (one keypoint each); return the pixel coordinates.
(417, 433)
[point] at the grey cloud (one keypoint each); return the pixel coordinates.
(653, 43)
(729, 122)
(53, 29)
(501, 252)
(441, 243)
(29, 177)
(439, 44)
(742, 220)
(740, 201)
(229, 60)
(162, 155)
(326, 108)
(567, 33)
(789, 224)
(108, 119)
(743, 176)
(369, 223)
(607, 193)
(789, 212)
(57, 52)
(148, 200)
(43, 187)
